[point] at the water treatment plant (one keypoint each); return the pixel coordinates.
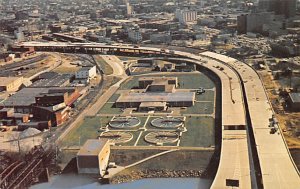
(189, 114)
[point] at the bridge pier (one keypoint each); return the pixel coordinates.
(44, 177)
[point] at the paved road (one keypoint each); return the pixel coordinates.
(115, 63)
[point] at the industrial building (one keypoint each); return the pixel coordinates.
(160, 93)
(152, 106)
(86, 73)
(48, 105)
(10, 84)
(176, 99)
(93, 157)
(144, 82)
(23, 100)
(9, 117)
(52, 79)
(161, 86)
(184, 67)
(294, 101)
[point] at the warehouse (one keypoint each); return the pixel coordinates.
(10, 84)
(93, 157)
(58, 80)
(24, 99)
(49, 105)
(176, 99)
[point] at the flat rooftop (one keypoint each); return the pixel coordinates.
(26, 96)
(92, 147)
(157, 97)
(157, 78)
(55, 81)
(295, 97)
(153, 104)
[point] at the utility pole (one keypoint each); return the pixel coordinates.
(79, 141)
(19, 147)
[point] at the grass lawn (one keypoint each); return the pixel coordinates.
(88, 129)
(207, 96)
(200, 108)
(109, 109)
(194, 81)
(107, 69)
(129, 84)
(200, 132)
(114, 98)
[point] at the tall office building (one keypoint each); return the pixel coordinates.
(129, 9)
(253, 22)
(185, 16)
(279, 7)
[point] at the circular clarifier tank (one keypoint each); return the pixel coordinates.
(124, 122)
(167, 122)
(117, 137)
(161, 137)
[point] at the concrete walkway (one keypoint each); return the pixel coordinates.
(150, 157)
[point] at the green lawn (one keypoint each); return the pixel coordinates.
(207, 96)
(131, 83)
(194, 81)
(114, 98)
(88, 129)
(200, 132)
(109, 108)
(200, 108)
(107, 69)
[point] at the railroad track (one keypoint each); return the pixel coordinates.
(22, 174)
(10, 173)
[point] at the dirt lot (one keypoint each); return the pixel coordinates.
(66, 66)
(289, 121)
